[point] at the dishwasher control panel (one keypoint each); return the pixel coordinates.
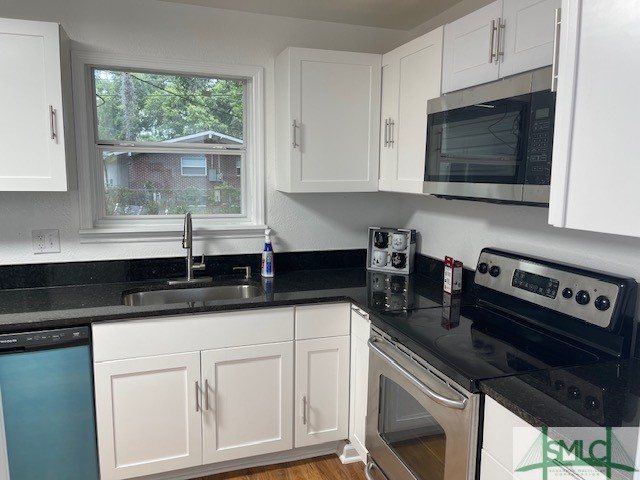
(44, 338)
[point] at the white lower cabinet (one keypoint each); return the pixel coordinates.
(209, 388)
(360, 332)
(322, 373)
(322, 390)
(247, 406)
(228, 398)
(147, 415)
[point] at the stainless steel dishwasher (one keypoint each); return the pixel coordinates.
(47, 420)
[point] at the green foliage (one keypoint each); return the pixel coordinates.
(152, 201)
(157, 107)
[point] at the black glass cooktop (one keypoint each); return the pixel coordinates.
(473, 343)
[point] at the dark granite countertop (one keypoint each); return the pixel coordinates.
(23, 309)
(599, 395)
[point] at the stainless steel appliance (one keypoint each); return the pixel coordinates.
(527, 315)
(492, 142)
(47, 421)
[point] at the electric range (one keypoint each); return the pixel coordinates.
(526, 314)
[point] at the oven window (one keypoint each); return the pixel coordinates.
(411, 432)
(482, 143)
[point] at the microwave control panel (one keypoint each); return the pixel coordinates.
(540, 141)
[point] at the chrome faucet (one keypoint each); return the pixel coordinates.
(187, 243)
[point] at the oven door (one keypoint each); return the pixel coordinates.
(418, 426)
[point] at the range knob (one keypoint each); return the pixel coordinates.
(582, 297)
(567, 293)
(573, 393)
(494, 271)
(483, 268)
(602, 303)
(591, 403)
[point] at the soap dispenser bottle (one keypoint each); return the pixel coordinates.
(267, 255)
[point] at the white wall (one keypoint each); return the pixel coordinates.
(160, 29)
(462, 228)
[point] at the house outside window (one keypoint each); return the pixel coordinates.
(163, 143)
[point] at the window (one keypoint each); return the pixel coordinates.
(193, 167)
(160, 136)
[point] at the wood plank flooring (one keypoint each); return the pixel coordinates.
(328, 467)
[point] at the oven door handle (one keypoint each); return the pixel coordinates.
(435, 396)
(368, 468)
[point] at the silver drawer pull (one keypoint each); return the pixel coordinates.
(435, 396)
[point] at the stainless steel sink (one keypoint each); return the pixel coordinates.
(217, 291)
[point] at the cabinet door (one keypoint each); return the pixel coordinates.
(417, 68)
(331, 121)
(529, 27)
(148, 415)
(594, 178)
(247, 404)
(468, 45)
(31, 124)
(322, 390)
(359, 383)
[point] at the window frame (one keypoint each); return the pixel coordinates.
(95, 225)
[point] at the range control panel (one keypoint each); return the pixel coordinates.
(563, 288)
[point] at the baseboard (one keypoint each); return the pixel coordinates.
(335, 448)
(350, 454)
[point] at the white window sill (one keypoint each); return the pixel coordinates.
(160, 233)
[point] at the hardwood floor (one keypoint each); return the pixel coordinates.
(328, 467)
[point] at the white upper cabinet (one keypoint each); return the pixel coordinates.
(498, 40)
(595, 171)
(36, 127)
(410, 77)
(327, 120)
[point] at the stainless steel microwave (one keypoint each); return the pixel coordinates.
(492, 142)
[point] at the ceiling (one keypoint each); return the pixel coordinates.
(395, 14)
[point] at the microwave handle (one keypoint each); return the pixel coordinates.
(556, 51)
(435, 396)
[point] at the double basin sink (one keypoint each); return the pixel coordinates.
(226, 290)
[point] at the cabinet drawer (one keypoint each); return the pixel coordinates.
(325, 320)
(207, 331)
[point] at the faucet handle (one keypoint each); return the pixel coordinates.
(247, 271)
(201, 265)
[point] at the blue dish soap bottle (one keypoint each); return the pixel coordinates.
(267, 255)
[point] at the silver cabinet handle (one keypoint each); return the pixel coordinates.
(304, 410)
(492, 38)
(435, 396)
(391, 131)
(295, 127)
(52, 122)
(197, 397)
(206, 394)
(556, 51)
(499, 39)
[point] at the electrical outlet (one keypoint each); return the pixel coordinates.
(46, 241)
